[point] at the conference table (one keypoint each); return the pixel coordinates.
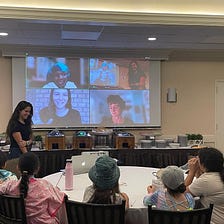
(51, 161)
(133, 181)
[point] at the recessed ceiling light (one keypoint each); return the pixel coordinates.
(152, 38)
(3, 34)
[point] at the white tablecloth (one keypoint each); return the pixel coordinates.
(133, 181)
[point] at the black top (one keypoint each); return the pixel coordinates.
(23, 129)
(135, 78)
(70, 119)
(107, 121)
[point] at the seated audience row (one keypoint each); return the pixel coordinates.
(45, 203)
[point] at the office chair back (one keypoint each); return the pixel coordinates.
(88, 213)
(195, 216)
(12, 209)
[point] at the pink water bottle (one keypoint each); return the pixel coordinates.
(68, 175)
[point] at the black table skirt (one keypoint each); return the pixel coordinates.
(53, 160)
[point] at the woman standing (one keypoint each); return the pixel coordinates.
(19, 129)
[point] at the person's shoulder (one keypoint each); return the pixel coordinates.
(12, 177)
(8, 183)
(127, 120)
(43, 182)
(44, 109)
(211, 177)
(90, 188)
(142, 73)
(74, 113)
(5, 173)
(45, 114)
(88, 193)
(106, 121)
(70, 85)
(189, 196)
(208, 176)
(50, 85)
(17, 126)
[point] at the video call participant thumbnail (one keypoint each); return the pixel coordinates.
(59, 111)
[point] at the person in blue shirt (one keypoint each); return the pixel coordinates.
(172, 196)
(58, 77)
(5, 174)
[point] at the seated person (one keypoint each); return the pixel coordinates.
(136, 77)
(209, 186)
(60, 112)
(105, 77)
(172, 197)
(105, 189)
(5, 174)
(116, 106)
(43, 201)
(57, 77)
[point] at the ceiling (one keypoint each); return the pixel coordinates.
(174, 42)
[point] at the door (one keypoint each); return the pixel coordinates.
(219, 115)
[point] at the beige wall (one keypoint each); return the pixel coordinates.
(194, 111)
(195, 107)
(5, 92)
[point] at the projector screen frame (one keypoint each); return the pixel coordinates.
(19, 93)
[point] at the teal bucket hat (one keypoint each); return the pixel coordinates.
(105, 173)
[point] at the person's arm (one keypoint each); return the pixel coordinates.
(141, 83)
(193, 166)
(189, 178)
(22, 144)
(61, 214)
(31, 139)
(151, 189)
(148, 198)
(126, 198)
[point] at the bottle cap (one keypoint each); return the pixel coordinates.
(68, 160)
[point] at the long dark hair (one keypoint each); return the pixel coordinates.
(3, 159)
(28, 165)
(104, 196)
(212, 159)
(130, 69)
(15, 117)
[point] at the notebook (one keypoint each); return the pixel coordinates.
(83, 163)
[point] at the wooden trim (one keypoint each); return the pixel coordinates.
(110, 16)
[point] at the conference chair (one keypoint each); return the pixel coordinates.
(195, 216)
(88, 213)
(12, 209)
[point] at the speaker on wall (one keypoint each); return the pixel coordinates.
(171, 95)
